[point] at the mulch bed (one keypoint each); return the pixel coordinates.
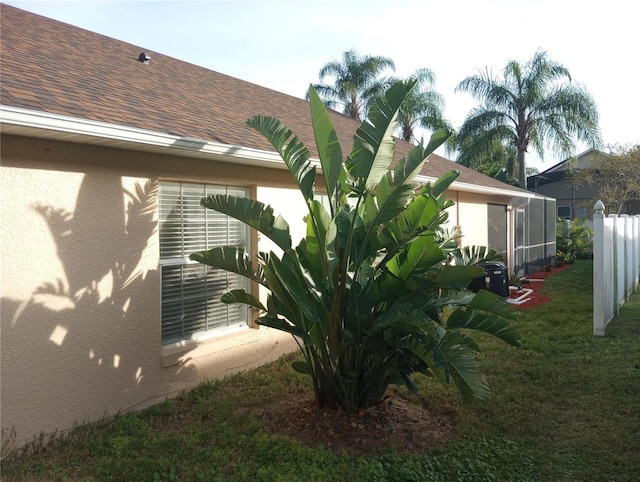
(535, 281)
(400, 421)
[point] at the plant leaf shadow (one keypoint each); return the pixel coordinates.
(81, 341)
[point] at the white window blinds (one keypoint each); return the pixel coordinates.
(190, 291)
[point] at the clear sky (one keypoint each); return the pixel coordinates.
(283, 44)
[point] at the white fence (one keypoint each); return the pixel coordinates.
(616, 263)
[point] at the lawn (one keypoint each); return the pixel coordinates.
(564, 406)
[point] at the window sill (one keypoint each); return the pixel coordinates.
(185, 350)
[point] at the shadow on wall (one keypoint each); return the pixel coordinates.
(88, 344)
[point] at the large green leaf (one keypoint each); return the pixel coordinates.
(402, 319)
(489, 313)
(442, 183)
(438, 138)
(253, 213)
(394, 189)
(293, 152)
(421, 254)
(391, 199)
(317, 251)
(287, 281)
(302, 367)
(241, 296)
(492, 303)
(373, 144)
(457, 277)
(230, 258)
(421, 214)
(463, 367)
(282, 325)
(277, 308)
(469, 255)
(327, 143)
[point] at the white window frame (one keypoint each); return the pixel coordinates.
(193, 311)
(519, 240)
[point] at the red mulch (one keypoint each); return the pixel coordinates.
(536, 298)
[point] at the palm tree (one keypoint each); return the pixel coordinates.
(422, 107)
(487, 155)
(533, 104)
(357, 82)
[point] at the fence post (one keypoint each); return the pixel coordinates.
(628, 257)
(617, 248)
(598, 270)
(635, 232)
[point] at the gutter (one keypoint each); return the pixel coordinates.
(476, 188)
(26, 122)
(19, 121)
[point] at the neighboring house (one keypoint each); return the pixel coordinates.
(105, 156)
(573, 199)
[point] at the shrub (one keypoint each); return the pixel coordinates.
(574, 239)
(365, 291)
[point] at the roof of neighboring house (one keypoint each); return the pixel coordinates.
(558, 172)
(68, 72)
(581, 161)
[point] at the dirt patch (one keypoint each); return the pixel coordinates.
(399, 421)
(535, 281)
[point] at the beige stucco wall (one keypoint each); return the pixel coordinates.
(80, 287)
(470, 215)
(472, 218)
(80, 308)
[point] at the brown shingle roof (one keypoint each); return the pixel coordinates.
(57, 68)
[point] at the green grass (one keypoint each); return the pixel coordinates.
(565, 406)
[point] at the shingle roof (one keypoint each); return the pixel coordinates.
(57, 68)
(563, 169)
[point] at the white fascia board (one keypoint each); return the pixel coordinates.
(475, 188)
(88, 129)
(91, 131)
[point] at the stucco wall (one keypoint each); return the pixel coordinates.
(472, 215)
(81, 290)
(80, 308)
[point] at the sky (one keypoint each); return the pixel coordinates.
(283, 44)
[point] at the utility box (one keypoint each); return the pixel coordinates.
(495, 279)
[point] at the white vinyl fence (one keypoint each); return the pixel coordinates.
(616, 263)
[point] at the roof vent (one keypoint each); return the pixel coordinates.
(144, 58)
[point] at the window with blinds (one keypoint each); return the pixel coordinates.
(191, 291)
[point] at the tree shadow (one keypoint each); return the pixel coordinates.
(87, 342)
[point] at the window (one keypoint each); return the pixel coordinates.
(564, 212)
(191, 291)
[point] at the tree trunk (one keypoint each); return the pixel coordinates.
(511, 166)
(522, 169)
